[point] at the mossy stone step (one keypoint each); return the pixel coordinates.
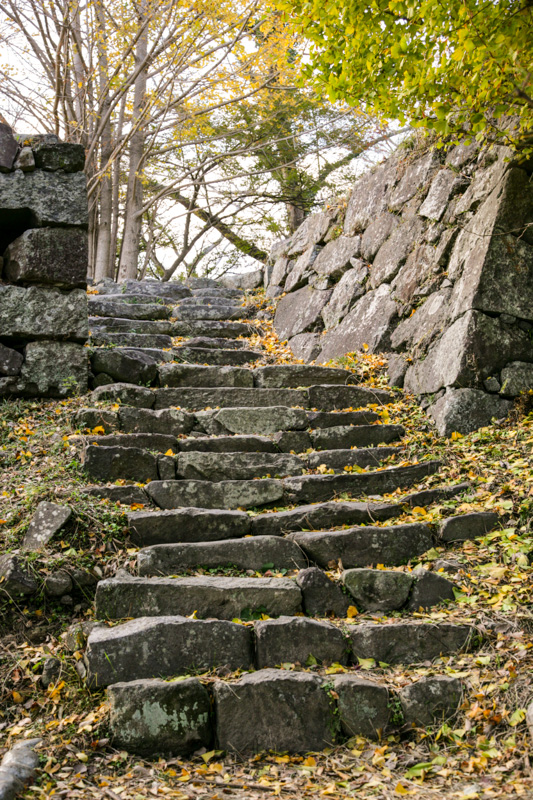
(202, 311)
(187, 525)
(101, 338)
(196, 375)
(206, 355)
(124, 325)
(216, 328)
(111, 306)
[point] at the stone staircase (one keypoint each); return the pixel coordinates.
(251, 481)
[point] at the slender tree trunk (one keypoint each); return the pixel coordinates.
(129, 257)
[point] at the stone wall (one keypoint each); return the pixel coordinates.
(431, 262)
(43, 266)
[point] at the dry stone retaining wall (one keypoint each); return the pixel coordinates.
(432, 263)
(43, 266)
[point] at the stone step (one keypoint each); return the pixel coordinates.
(382, 590)
(111, 306)
(213, 328)
(205, 312)
(338, 460)
(123, 463)
(409, 642)
(210, 343)
(365, 546)
(170, 421)
(237, 466)
(206, 355)
(252, 553)
(151, 647)
(136, 299)
(187, 525)
(171, 290)
(248, 420)
(154, 442)
(345, 436)
(101, 338)
(222, 598)
(169, 494)
(212, 299)
(216, 291)
(293, 376)
(128, 366)
(322, 515)
(333, 419)
(330, 396)
(196, 376)
(120, 325)
(228, 444)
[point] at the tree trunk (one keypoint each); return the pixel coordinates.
(129, 257)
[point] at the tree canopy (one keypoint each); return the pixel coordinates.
(441, 65)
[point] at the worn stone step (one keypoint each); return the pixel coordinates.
(170, 421)
(187, 525)
(292, 376)
(203, 312)
(254, 553)
(273, 710)
(135, 299)
(193, 375)
(363, 457)
(328, 398)
(297, 639)
(127, 366)
(120, 325)
(111, 306)
(317, 488)
(120, 463)
(345, 436)
(322, 515)
(154, 647)
(205, 494)
(409, 642)
(237, 466)
(216, 291)
(197, 399)
(216, 328)
(210, 343)
(124, 495)
(86, 419)
(101, 338)
(216, 298)
(243, 420)
(365, 546)
(228, 444)
(382, 590)
(155, 442)
(222, 598)
(171, 290)
(333, 419)
(205, 355)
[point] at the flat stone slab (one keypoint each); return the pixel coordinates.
(201, 376)
(273, 710)
(100, 338)
(321, 515)
(223, 598)
(151, 717)
(364, 706)
(344, 436)
(203, 312)
(156, 442)
(204, 355)
(292, 376)
(298, 640)
(468, 526)
(228, 444)
(225, 494)
(317, 488)
(115, 463)
(366, 546)
(215, 343)
(157, 647)
(112, 306)
(137, 396)
(362, 457)
(170, 421)
(328, 398)
(378, 589)
(237, 466)
(408, 642)
(187, 525)
(219, 329)
(333, 419)
(118, 325)
(48, 519)
(196, 399)
(264, 420)
(255, 553)
(124, 495)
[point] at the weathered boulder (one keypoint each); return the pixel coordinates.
(300, 311)
(138, 396)
(48, 519)
(8, 148)
(129, 366)
(370, 322)
(377, 234)
(517, 378)
(419, 276)
(443, 186)
(337, 257)
(273, 710)
(55, 199)
(52, 369)
(429, 589)
(431, 700)
(57, 256)
(466, 410)
(378, 589)
(59, 155)
(394, 251)
(14, 580)
(345, 293)
(369, 198)
(468, 526)
(243, 280)
(10, 361)
(363, 706)
(36, 312)
(154, 717)
(414, 178)
(25, 160)
(305, 345)
(420, 329)
(321, 597)
(298, 640)
(312, 231)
